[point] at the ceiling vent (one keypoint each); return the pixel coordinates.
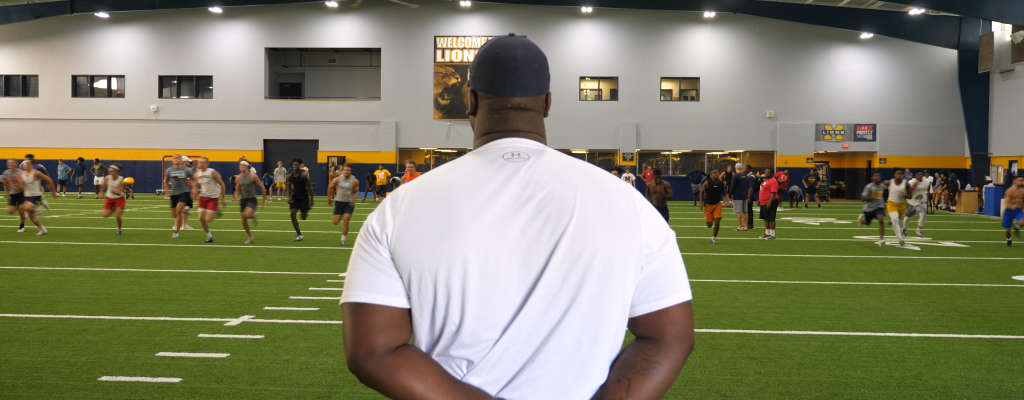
(332, 60)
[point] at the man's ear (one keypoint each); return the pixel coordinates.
(547, 104)
(474, 103)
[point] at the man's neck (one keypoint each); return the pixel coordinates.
(490, 137)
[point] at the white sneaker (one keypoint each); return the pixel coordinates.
(249, 241)
(174, 235)
(881, 243)
(21, 230)
(862, 221)
(920, 234)
(342, 242)
(298, 238)
(713, 241)
(902, 243)
(188, 228)
(42, 231)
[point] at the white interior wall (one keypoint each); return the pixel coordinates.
(1006, 132)
(747, 66)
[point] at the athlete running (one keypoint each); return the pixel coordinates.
(13, 192)
(245, 187)
(712, 194)
(1014, 209)
(178, 188)
(211, 188)
(896, 206)
(346, 187)
(30, 181)
(874, 205)
(371, 181)
(114, 188)
(299, 193)
(918, 203)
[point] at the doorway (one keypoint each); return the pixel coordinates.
(285, 150)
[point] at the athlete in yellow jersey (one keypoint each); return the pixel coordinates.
(129, 191)
(383, 175)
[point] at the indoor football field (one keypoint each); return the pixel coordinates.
(823, 312)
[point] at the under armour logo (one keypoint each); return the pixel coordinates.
(515, 156)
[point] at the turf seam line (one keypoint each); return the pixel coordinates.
(192, 355)
(210, 335)
(313, 298)
(326, 288)
(826, 333)
(240, 246)
(292, 308)
(852, 256)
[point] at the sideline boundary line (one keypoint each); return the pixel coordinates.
(177, 270)
(138, 379)
(240, 246)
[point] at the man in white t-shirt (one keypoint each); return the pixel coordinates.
(508, 298)
(629, 178)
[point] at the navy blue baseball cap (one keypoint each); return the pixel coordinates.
(510, 66)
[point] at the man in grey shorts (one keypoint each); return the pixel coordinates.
(739, 190)
(245, 187)
(179, 190)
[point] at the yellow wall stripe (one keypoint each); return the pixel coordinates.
(1005, 161)
(360, 157)
(793, 161)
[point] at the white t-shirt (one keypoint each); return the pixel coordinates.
(920, 193)
(522, 290)
(629, 178)
(931, 182)
(898, 193)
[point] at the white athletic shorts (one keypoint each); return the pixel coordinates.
(97, 180)
(913, 210)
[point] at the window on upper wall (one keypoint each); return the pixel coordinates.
(324, 74)
(108, 86)
(186, 87)
(680, 89)
(599, 88)
(19, 85)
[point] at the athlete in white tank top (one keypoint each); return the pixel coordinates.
(898, 193)
(32, 180)
(208, 186)
(33, 187)
(111, 184)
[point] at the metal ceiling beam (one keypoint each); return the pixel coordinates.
(32, 11)
(1005, 11)
(935, 30)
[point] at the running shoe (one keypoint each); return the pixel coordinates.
(770, 238)
(902, 243)
(920, 234)
(880, 243)
(819, 206)
(209, 239)
(805, 205)
(1009, 243)
(342, 242)
(255, 219)
(713, 241)
(862, 221)
(79, 196)
(118, 233)
(904, 231)
(21, 230)
(174, 235)
(298, 238)
(42, 231)
(249, 241)
(188, 228)
(763, 237)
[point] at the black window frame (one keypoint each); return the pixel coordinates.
(92, 89)
(614, 96)
(177, 87)
(22, 81)
(679, 81)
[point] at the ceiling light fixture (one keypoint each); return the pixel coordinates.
(465, 3)
(866, 35)
(215, 10)
(332, 4)
(588, 10)
(102, 14)
(917, 11)
(709, 14)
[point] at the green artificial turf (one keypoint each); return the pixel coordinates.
(741, 283)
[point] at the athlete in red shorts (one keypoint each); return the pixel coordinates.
(113, 202)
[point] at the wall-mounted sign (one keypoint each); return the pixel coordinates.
(810, 160)
(452, 57)
(627, 159)
(846, 132)
(881, 161)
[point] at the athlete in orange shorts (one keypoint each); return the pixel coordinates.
(711, 194)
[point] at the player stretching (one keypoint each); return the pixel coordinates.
(346, 187)
(712, 193)
(245, 187)
(918, 203)
(211, 188)
(13, 192)
(178, 188)
(896, 206)
(299, 193)
(1014, 209)
(874, 205)
(31, 183)
(114, 187)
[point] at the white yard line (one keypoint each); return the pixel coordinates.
(857, 240)
(239, 320)
(209, 335)
(174, 270)
(336, 280)
(239, 246)
(193, 355)
(313, 298)
(296, 321)
(138, 379)
(857, 283)
(103, 317)
(292, 308)
(826, 333)
(107, 228)
(326, 288)
(838, 256)
(129, 218)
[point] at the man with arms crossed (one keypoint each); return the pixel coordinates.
(245, 187)
(811, 181)
(874, 205)
(280, 175)
(501, 306)
(769, 199)
(78, 175)
(1014, 209)
(347, 188)
(696, 180)
(210, 190)
(712, 195)
(739, 190)
(113, 198)
(99, 171)
(658, 193)
(299, 193)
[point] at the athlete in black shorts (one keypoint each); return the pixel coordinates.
(300, 195)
